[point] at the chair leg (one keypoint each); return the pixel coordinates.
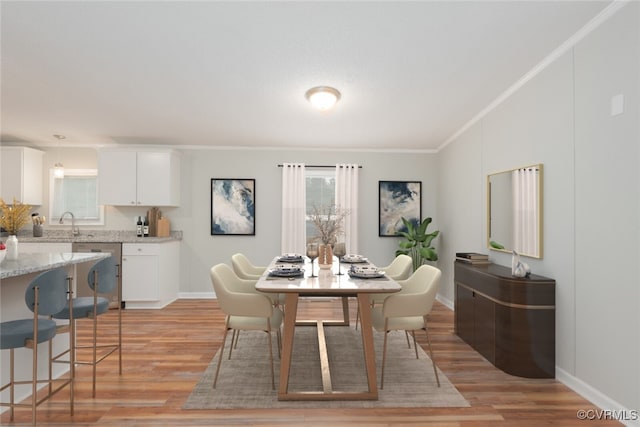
(273, 374)
(95, 350)
(406, 334)
(234, 342)
(435, 370)
(384, 354)
(13, 380)
(415, 346)
(224, 340)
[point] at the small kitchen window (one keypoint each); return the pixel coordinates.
(76, 192)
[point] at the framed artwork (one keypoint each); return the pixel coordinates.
(397, 200)
(233, 207)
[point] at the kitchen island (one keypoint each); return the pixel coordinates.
(15, 275)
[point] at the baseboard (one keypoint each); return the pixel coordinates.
(446, 302)
(196, 295)
(610, 409)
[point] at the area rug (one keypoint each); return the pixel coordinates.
(244, 381)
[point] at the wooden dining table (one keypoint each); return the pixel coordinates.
(326, 283)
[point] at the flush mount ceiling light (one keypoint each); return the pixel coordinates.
(58, 168)
(323, 97)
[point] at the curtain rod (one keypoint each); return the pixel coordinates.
(321, 166)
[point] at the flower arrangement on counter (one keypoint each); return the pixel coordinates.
(15, 216)
(329, 221)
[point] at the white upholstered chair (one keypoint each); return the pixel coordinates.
(399, 269)
(244, 268)
(245, 309)
(407, 310)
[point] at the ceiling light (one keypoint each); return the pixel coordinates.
(58, 168)
(323, 97)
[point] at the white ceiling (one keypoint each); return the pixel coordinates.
(235, 73)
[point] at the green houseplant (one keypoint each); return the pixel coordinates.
(417, 243)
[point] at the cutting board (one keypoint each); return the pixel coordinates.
(163, 227)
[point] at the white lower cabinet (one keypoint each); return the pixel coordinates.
(150, 274)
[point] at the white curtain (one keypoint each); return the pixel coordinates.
(347, 199)
(293, 208)
(525, 209)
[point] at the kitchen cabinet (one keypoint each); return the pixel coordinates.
(150, 274)
(138, 178)
(21, 175)
(508, 320)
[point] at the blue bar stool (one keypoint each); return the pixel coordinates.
(102, 278)
(44, 296)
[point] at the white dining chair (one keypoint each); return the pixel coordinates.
(407, 310)
(245, 310)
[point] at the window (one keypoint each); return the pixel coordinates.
(321, 192)
(76, 192)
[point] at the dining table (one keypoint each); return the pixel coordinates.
(326, 283)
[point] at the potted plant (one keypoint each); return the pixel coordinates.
(13, 218)
(417, 243)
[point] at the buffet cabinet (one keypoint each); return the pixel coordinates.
(508, 320)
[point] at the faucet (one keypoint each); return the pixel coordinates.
(75, 231)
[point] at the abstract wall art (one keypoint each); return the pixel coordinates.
(397, 200)
(233, 206)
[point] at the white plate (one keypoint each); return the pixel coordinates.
(350, 258)
(368, 275)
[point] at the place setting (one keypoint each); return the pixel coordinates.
(366, 272)
(286, 270)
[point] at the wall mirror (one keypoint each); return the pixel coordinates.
(514, 211)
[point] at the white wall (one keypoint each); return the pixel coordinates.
(200, 250)
(561, 118)
(205, 250)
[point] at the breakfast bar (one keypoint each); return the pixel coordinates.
(15, 275)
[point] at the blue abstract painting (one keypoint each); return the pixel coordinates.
(233, 206)
(397, 200)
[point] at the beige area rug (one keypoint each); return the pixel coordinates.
(245, 381)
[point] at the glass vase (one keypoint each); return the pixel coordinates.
(12, 247)
(325, 257)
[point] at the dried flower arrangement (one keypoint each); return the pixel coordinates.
(14, 217)
(329, 221)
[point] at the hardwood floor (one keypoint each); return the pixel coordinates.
(166, 351)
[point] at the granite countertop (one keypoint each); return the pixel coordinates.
(37, 262)
(102, 236)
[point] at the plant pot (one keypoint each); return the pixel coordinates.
(325, 257)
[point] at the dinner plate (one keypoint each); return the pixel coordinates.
(286, 272)
(291, 258)
(354, 259)
(367, 275)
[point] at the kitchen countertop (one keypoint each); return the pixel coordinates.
(37, 262)
(89, 236)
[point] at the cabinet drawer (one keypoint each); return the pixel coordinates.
(140, 249)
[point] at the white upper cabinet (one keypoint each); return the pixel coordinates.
(21, 175)
(138, 178)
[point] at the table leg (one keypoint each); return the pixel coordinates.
(290, 311)
(367, 342)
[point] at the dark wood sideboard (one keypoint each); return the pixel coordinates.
(509, 320)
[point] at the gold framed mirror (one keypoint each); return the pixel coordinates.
(514, 211)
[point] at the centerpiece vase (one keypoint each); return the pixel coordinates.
(325, 257)
(12, 247)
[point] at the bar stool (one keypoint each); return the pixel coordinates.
(45, 296)
(102, 278)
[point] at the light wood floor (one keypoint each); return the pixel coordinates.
(166, 351)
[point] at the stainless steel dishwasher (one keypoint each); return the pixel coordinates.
(82, 286)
